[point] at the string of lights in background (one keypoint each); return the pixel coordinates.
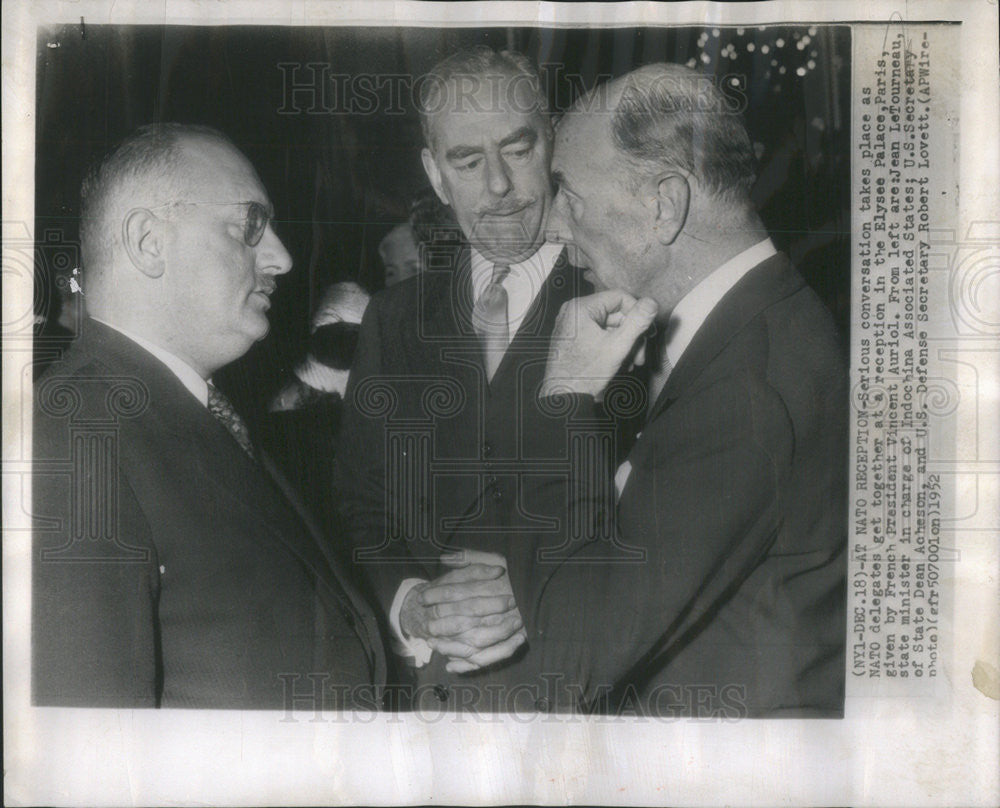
(792, 54)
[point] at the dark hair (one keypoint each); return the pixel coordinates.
(150, 153)
(476, 63)
(670, 116)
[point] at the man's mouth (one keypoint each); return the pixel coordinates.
(265, 292)
(501, 213)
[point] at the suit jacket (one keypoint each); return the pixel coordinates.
(433, 457)
(737, 497)
(170, 569)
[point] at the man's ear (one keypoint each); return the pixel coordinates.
(143, 238)
(673, 198)
(433, 174)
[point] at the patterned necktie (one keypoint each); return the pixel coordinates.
(657, 381)
(222, 408)
(489, 319)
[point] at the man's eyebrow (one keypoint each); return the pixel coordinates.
(525, 134)
(461, 152)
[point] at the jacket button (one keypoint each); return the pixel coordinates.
(487, 449)
(542, 705)
(441, 692)
(497, 494)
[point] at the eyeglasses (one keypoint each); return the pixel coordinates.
(258, 217)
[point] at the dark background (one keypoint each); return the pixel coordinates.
(341, 161)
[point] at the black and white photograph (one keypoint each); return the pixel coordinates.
(431, 380)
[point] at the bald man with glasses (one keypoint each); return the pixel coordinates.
(172, 566)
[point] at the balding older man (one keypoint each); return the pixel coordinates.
(736, 488)
(171, 566)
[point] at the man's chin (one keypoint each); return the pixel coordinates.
(506, 242)
(507, 251)
(256, 327)
(507, 257)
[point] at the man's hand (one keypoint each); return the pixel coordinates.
(592, 338)
(467, 614)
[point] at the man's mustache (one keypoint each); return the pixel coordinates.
(506, 209)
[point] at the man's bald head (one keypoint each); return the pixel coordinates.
(654, 172)
(178, 246)
(146, 169)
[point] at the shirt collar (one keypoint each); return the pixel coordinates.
(187, 375)
(533, 270)
(692, 311)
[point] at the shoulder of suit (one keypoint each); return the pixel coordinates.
(802, 319)
(76, 364)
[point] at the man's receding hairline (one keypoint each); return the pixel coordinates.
(187, 160)
(187, 140)
(508, 73)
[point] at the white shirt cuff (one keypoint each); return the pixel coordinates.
(319, 377)
(407, 646)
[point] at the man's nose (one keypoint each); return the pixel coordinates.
(272, 257)
(557, 223)
(497, 179)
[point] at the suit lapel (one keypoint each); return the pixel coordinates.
(446, 295)
(318, 557)
(764, 285)
(447, 300)
(448, 343)
(181, 415)
(563, 283)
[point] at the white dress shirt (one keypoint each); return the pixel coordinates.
(522, 284)
(690, 314)
(188, 376)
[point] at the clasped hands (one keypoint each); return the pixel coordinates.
(468, 614)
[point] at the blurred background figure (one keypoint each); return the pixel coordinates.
(332, 339)
(303, 417)
(432, 221)
(400, 254)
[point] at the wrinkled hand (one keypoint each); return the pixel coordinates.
(468, 614)
(593, 337)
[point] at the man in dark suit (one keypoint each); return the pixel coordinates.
(453, 474)
(735, 490)
(172, 567)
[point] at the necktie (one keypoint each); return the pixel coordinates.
(657, 381)
(222, 408)
(489, 319)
